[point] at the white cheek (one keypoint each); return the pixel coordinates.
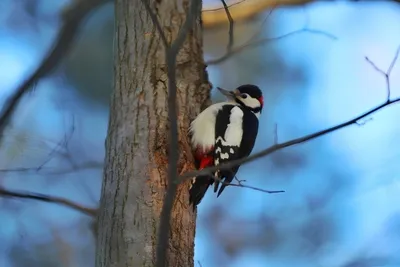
(251, 102)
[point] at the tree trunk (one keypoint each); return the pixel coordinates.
(135, 175)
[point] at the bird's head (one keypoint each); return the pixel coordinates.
(248, 95)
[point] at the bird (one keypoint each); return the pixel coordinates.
(223, 132)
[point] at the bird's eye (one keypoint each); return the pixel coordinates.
(243, 96)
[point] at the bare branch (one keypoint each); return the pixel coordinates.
(164, 227)
(220, 8)
(61, 149)
(231, 22)
(240, 184)
(63, 143)
(153, 17)
(88, 165)
(41, 168)
(237, 179)
(387, 73)
(249, 44)
(52, 199)
(194, 10)
(276, 147)
(256, 188)
(72, 20)
(363, 122)
(257, 33)
(243, 10)
(241, 48)
(293, 142)
(173, 155)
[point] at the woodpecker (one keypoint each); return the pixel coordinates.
(223, 132)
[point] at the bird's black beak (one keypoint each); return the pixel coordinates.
(230, 94)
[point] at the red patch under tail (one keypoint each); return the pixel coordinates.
(205, 158)
(206, 161)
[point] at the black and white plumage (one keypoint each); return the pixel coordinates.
(223, 132)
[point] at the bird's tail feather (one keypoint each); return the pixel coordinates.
(223, 185)
(199, 189)
(229, 175)
(216, 182)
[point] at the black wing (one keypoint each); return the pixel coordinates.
(226, 151)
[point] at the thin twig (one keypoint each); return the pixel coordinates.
(256, 188)
(387, 73)
(241, 48)
(231, 22)
(276, 147)
(153, 17)
(73, 18)
(61, 144)
(220, 8)
(89, 165)
(171, 53)
(52, 199)
(231, 27)
(257, 33)
(237, 180)
(240, 184)
(194, 10)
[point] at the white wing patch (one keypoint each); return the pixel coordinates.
(233, 136)
(224, 156)
(202, 128)
(234, 131)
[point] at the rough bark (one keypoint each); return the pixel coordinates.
(135, 175)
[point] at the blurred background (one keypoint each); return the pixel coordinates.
(341, 206)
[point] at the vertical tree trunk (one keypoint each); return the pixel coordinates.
(136, 148)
